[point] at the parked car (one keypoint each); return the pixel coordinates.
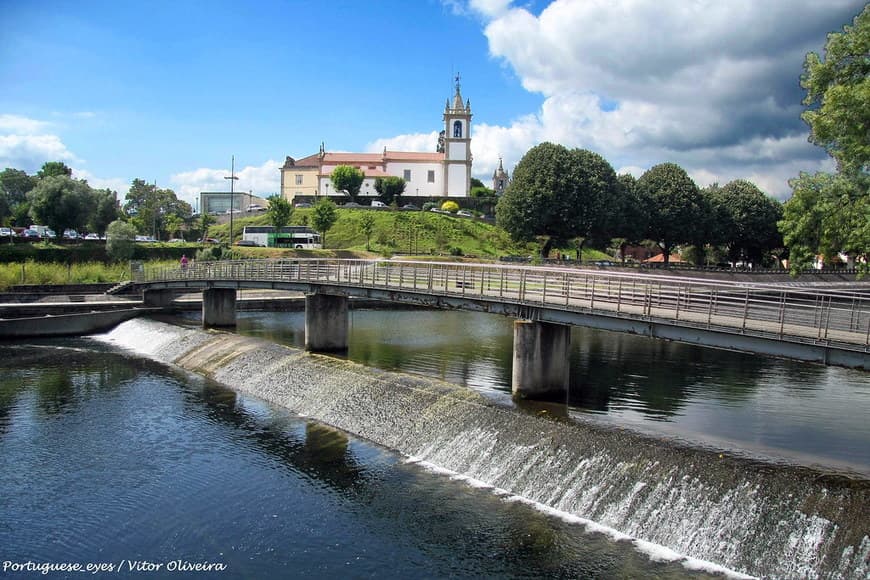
(6, 233)
(176, 241)
(376, 203)
(210, 241)
(234, 210)
(145, 239)
(30, 234)
(351, 204)
(50, 234)
(247, 243)
(92, 237)
(70, 234)
(464, 213)
(255, 207)
(410, 206)
(302, 204)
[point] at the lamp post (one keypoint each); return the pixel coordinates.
(232, 177)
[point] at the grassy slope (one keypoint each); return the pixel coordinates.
(429, 233)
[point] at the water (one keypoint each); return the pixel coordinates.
(757, 405)
(109, 458)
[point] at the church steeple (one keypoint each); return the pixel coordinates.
(500, 179)
(457, 144)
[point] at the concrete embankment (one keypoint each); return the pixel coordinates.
(68, 324)
(770, 520)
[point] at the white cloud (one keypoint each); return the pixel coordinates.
(262, 180)
(409, 142)
(30, 152)
(118, 184)
(710, 85)
(18, 125)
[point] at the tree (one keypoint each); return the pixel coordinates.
(747, 221)
(16, 183)
(347, 179)
(120, 240)
(280, 211)
(54, 169)
(205, 221)
(61, 202)
(367, 227)
(323, 217)
(475, 182)
(105, 210)
(673, 204)
(151, 206)
(556, 193)
(173, 225)
(390, 189)
(626, 218)
(481, 191)
(827, 214)
(838, 95)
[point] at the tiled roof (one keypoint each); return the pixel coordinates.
(413, 156)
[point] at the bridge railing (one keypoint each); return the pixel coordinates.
(829, 316)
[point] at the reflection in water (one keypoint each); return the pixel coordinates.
(107, 457)
(738, 401)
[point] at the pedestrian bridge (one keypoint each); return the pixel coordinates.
(823, 325)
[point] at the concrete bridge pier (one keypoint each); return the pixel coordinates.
(158, 298)
(218, 307)
(541, 368)
(326, 323)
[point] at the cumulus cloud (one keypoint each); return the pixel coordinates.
(713, 86)
(117, 184)
(409, 142)
(25, 144)
(262, 180)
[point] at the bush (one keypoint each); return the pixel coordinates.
(429, 205)
(450, 206)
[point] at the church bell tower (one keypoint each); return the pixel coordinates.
(457, 146)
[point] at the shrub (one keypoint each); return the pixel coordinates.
(450, 206)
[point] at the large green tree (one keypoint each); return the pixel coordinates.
(828, 214)
(838, 95)
(558, 194)
(120, 240)
(626, 217)
(747, 220)
(16, 183)
(62, 202)
(149, 207)
(280, 211)
(105, 210)
(673, 204)
(347, 179)
(323, 217)
(390, 189)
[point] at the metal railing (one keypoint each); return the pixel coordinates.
(838, 318)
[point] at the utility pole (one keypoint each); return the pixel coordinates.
(232, 177)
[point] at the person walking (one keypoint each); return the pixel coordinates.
(183, 262)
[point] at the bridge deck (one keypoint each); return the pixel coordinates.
(833, 318)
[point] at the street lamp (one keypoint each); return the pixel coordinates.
(232, 177)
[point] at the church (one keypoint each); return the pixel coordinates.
(445, 172)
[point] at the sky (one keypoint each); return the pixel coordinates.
(172, 91)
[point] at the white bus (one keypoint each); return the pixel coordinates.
(297, 237)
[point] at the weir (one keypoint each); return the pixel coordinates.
(757, 518)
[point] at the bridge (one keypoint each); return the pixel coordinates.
(824, 325)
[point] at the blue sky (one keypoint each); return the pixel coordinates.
(169, 91)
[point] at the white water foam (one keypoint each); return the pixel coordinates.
(654, 552)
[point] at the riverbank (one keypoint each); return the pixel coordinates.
(756, 518)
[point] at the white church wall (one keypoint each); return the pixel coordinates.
(457, 179)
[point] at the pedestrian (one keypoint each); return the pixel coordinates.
(183, 262)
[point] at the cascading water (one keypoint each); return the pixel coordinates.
(753, 517)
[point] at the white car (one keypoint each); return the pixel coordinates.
(92, 237)
(464, 213)
(6, 233)
(255, 207)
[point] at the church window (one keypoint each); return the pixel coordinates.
(298, 179)
(431, 176)
(457, 129)
(407, 175)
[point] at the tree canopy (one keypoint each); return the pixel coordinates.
(347, 179)
(673, 204)
(557, 193)
(120, 240)
(828, 214)
(149, 207)
(747, 221)
(838, 95)
(390, 189)
(280, 211)
(54, 169)
(323, 217)
(62, 202)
